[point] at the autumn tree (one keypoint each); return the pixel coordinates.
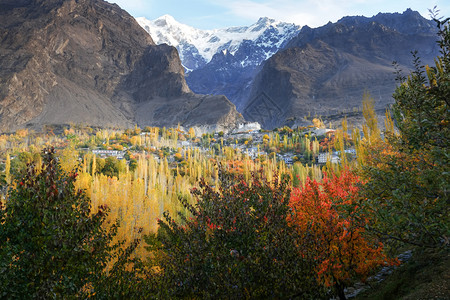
(68, 158)
(332, 229)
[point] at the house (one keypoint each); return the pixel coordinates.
(107, 153)
(323, 157)
(248, 127)
(288, 160)
(322, 131)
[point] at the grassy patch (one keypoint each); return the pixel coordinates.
(425, 276)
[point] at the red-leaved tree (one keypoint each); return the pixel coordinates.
(331, 226)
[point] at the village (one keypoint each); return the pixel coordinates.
(248, 139)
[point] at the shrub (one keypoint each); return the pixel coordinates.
(236, 243)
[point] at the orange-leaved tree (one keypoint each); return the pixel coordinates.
(332, 231)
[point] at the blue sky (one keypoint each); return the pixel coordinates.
(211, 14)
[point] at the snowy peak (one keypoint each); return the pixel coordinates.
(165, 20)
(263, 23)
(166, 30)
(197, 47)
(222, 61)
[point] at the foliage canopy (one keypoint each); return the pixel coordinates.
(235, 243)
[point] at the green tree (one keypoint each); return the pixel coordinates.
(133, 164)
(20, 162)
(408, 173)
(51, 243)
(111, 167)
(237, 243)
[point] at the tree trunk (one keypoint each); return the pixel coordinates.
(340, 291)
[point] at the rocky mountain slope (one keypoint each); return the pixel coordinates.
(222, 61)
(88, 61)
(325, 71)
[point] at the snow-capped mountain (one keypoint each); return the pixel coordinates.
(222, 61)
(197, 47)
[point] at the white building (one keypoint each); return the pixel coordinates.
(107, 153)
(322, 158)
(321, 131)
(248, 127)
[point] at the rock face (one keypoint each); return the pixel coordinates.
(222, 61)
(325, 71)
(88, 61)
(225, 75)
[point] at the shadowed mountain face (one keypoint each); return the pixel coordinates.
(325, 71)
(88, 61)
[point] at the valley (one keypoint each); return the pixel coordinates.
(149, 159)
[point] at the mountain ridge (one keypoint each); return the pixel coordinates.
(223, 61)
(88, 61)
(197, 47)
(326, 70)
(236, 71)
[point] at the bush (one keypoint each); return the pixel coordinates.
(236, 243)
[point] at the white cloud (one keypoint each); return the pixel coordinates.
(315, 13)
(210, 14)
(311, 12)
